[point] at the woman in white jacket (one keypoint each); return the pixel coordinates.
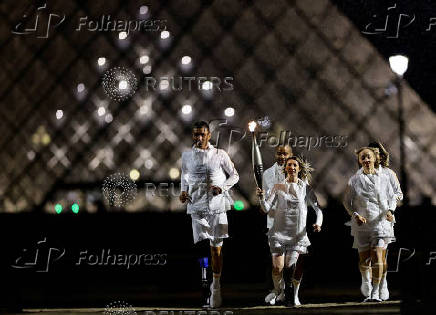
(287, 237)
(368, 199)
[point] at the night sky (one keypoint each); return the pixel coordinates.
(415, 37)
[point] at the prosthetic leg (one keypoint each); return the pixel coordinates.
(205, 282)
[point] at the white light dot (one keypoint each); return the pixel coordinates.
(101, 61)
(108, 118)
(148, 164)
(174, 173)
(122, 35)
(186, 60)
(164, 84)
(80, 87)
(122, 85)
(229, 112)
(134, 174)
(59, 114)
(30, 155)
(101, 111)
(164, 34)
(186, 109)
(143, 110)
(146, 69)
(143, 10)
(144, 59)
(207, 85)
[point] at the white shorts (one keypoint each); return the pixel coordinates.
(364, 240)
(213, 227)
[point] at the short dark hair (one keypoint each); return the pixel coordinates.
(201, 124)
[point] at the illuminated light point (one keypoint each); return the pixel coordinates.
(252, 126)
(143, 10)
(101, 61)
(186, 60)
(122, 35)
(75, 208)
(207, 85)
(148, 164)
(101, 111)
(58, 208)
(229, 112)
(45, 139)
(164, 34)
(238, 205)
(80, 87)
(108, 118)
(399, 64)
(59, 114)
(144, 59)
(174, 173)
(164, 85)
(186, 109)
(146, 69)
(122, 85)
(134, 174)
(31, 155)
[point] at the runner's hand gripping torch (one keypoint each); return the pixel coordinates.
(256, 157)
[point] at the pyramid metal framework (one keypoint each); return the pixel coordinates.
(301, 63)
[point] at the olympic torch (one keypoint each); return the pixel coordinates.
(256, 157)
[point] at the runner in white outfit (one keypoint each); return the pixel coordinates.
(206, 188)
(368, 200)
(287, 237)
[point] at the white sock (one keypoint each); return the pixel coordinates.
(216, 281)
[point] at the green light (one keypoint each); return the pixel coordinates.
(238, 205)
(58, 208)
(75, 208)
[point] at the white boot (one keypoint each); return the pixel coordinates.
(366, 286)
(375, 294)
(215, 290)
(384, 292)
(296, 285)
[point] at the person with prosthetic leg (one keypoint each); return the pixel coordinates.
(287, 237)
(206, 177)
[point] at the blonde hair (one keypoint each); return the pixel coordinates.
(384, 155)
(374, 150)
(305, 168)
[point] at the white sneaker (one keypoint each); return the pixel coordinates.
(384, 292)
(366, 288)
(296, 286)
(273, 297)
(375, 293)
(215, 297)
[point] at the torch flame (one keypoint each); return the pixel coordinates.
(252, 126)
